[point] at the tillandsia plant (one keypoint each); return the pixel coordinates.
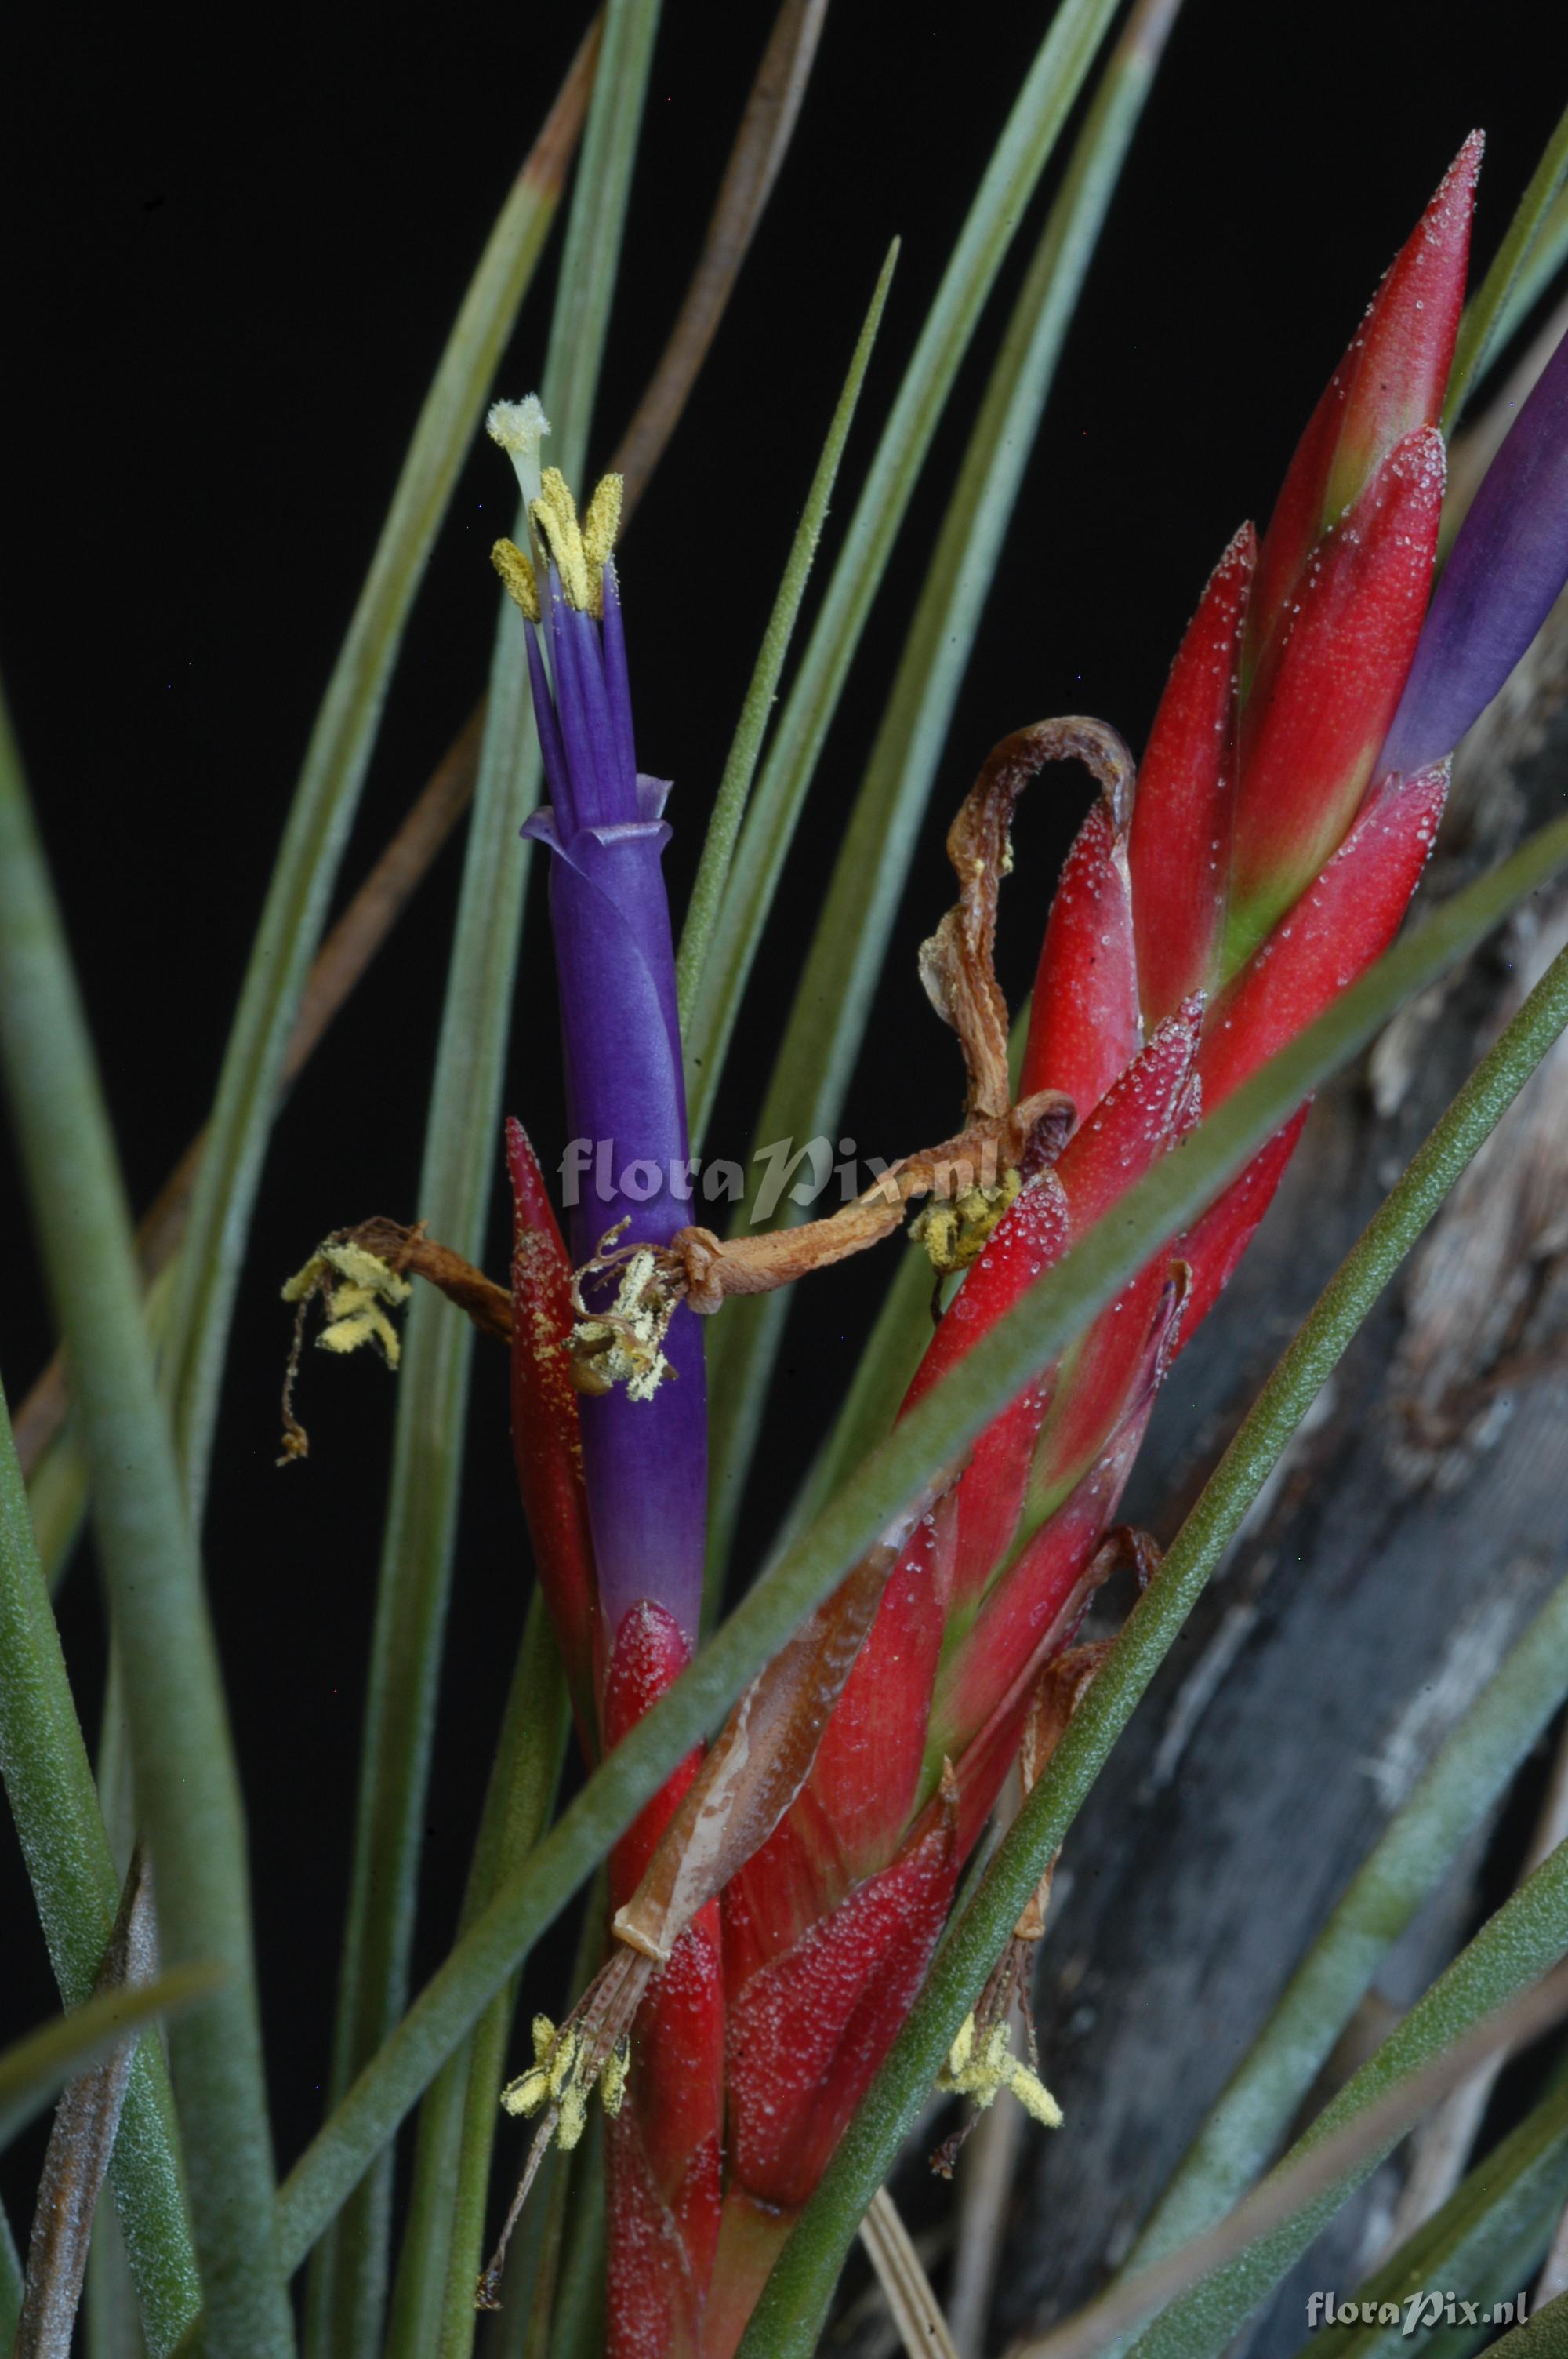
(784, 1963)
(1213, 904)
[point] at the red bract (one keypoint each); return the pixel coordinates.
(1322, 700)
(1391, 380)
(1197, 928)
(1180, 846)
(545, 1426)
(664, 2145)
(1224, 911)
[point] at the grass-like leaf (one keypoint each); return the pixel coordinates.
(1020, 155)
(729, 803)
(761, 143)
(10, 2282)
(1482, 329)
(1055, 1308)
(327, 792)
(57, 1485)
(802, 2282)
(48, 1783)
(34, 2067)
(1491, 2231)
(1540, 267)
(432, 2308)
(1455, 2031)
(1415, 1852)
(828, 1021)
(1527, 1935)
(84, 2131)
(187, 1783)
(1545, 2336)
(348, 2286)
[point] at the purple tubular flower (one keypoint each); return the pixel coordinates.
(1507, 565)
(644, 1457)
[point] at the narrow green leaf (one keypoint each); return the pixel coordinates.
(348, 2284)
(457, 2120)
(729, 803)
(33, 2068)
(1020, 156)
(1478, 329)
(1338, 2153)
(481, 2118)
(1411, 1859)
(1526, 1937)
(578, 2320)
(76, 1888)
(828, 1021)
(1544, 2337)
(326, 797)
(11, 2283)
(1540, 267)
(187, 1784)
(112, 2325)
(539, 2294)
(803, 2280)
(1057, 1308)
(1507, 2203)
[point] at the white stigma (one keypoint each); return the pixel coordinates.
(520, 427)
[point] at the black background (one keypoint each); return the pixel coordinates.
(235, 255)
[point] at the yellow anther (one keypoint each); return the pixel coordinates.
(516, 572)
(955, 1230)
(612, 2080)
(554, 519)
(981, 2068)
(359, 1318)
(357, 1285)
(562, 2075)
(527, 2092)
(556, 493)
(603, 520)
(561, 2063)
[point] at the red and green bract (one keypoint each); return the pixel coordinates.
(1262, 872)
(1267, 859)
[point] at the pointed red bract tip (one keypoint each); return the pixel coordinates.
(1323, 703)
(545, 1438)
(1084, 1025)
(1179, 849)
(1392, 379)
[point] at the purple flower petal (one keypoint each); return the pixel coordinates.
(645, 1462)
(1507, 565)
